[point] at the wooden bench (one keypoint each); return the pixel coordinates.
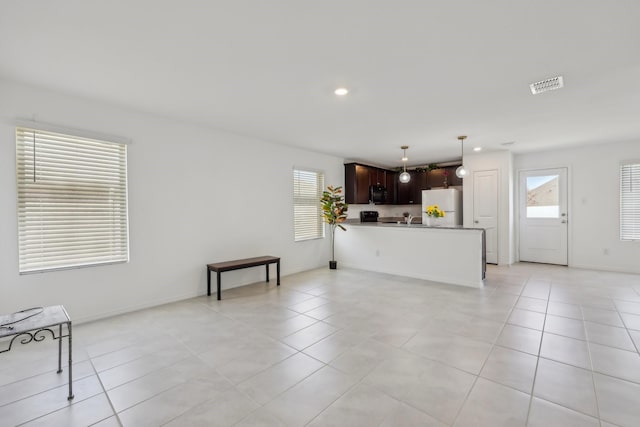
(238, 264)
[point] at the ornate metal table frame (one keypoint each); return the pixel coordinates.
(36, 328)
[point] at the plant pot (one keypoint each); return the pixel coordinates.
(333, 265)
(433, 221)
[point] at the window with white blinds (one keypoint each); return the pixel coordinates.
(307, 213)
(72, 201)
(630, 201)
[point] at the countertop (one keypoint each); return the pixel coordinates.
(416, 223)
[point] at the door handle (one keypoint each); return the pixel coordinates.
(476, 221)
(564, 221)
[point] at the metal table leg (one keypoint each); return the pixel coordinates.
(60, 349)
(70, 363)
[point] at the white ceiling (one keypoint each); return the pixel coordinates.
(420, 72)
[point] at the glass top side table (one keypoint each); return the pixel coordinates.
(35, 325)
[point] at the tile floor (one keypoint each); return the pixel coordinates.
(538, 346)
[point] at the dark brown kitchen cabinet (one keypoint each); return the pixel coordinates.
(407, 193)
(357, 180)
(453, 178)
(392, 179)
(436, 178)
(377, 176)
(404, 193)
(356, 183)
(420, 183)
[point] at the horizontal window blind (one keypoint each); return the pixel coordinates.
(72, 201)
(630, 201)
(307, 214)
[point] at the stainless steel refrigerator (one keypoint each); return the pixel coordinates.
(449, 200)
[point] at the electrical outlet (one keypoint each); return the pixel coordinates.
(605, 251)
(377, 252)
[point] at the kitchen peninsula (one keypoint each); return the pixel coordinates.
(453, 255)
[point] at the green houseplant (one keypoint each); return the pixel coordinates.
(334, 212)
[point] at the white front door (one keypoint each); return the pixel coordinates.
(543, 216)
(485, 209)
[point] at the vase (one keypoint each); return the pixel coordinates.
(433, 221)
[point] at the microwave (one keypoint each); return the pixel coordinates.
(378, 194)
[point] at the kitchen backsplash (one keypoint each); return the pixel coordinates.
(384, 210)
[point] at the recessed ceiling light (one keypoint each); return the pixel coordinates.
(477, 148)
(547, 85)
(341, 91)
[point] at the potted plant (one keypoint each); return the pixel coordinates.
(334, 212)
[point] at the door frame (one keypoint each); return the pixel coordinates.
(518, 205)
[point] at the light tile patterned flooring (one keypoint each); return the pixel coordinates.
(539, 346)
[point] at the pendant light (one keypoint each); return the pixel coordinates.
(461, 172)
(404, 176)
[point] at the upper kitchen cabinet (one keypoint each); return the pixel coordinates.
(436, 177)
(392, 178)
(356, 183)
(357, 180)
(407, 193)
(453, 178)
(377, 176)
(420, 182)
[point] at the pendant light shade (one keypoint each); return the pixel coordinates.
(404, 176)
(461, 172)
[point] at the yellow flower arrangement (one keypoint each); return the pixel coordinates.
(434, 211)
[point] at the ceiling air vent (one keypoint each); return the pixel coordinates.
(546, 85)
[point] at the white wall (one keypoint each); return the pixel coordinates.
(594, 203)
(196, 196)
(502, 161)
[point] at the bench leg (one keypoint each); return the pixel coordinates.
(219, 291)
(267, 266)
(278, 271)
(208, 281)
